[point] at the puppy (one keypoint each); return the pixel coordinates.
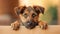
(28, 17)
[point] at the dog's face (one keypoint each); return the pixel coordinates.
(29, 15)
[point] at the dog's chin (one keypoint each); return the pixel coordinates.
(31, 26)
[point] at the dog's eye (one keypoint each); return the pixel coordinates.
(25, 15)
(33, 15)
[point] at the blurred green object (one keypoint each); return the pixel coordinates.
(50, 15)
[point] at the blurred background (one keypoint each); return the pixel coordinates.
(51, 15)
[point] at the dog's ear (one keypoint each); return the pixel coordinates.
(39, 9)
(19, 10)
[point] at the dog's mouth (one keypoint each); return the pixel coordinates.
(30, 25)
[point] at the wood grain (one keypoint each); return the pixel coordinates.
(52, 29)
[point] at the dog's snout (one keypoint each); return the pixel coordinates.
(30, 24)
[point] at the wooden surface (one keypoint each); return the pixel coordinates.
(52, 29)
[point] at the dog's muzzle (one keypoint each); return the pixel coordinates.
(30, 24)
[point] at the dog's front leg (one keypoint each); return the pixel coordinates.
(15, 25)
(43, 25)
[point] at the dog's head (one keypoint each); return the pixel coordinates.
(29, 15)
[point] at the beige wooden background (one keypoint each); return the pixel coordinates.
(52, 29)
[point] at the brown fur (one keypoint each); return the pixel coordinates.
(29, 17)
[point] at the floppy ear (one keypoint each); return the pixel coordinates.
(19, 10)
(39, 9)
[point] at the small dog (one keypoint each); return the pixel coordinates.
(28, 16)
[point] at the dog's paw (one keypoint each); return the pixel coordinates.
(43, 25)
(15, 26)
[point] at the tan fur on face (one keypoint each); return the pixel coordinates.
(29, 17)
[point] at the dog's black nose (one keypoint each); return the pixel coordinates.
(30, 25)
